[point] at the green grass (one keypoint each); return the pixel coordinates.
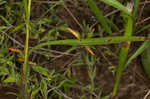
(33, 70)
(91, 41)
(99, 15)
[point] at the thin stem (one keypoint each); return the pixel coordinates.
(25, 66)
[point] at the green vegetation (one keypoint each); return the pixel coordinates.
(38, 36)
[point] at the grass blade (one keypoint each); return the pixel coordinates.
(90, 41)
(17, 28)
(2, 2)
(100, 16)
(5, 20)
(138, 52)
(118, 5)
(123, 54)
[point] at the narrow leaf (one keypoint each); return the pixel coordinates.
(90, 41)
(41, 70)
(10, 79)
(138, 52)
(118, 5)
(76, 34)
(123, 53)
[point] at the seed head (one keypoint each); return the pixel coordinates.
(130, 6)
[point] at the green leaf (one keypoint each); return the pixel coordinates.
(118, 5)
(5, 20)
(35, 92)
(106, 97)
(17, 28)
(44, 88)
(10, 79)
(4, 70)
(41, 70)
(138, 52)
(123, 53)
(90, 41)
(3, 2)
(18, 79)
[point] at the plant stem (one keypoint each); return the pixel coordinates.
(25, 66)
(123, 54)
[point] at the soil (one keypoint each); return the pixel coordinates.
(134, 83)
(7, 93)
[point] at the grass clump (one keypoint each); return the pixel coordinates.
(44, 47)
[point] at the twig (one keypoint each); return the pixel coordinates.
(141, 11)
(147, 94)
(15, 41)
(74, 18)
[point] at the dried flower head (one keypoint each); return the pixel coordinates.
(130, 6)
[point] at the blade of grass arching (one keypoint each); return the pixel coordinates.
(138, 52)
(123, 54)
(91, 41)
(100, 16)
(27, 5)
(118, 5)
